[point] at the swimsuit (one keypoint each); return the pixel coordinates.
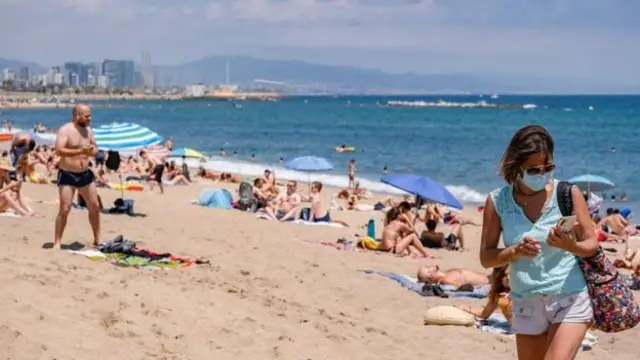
(157, 172)
(75, 179)
(326, 218)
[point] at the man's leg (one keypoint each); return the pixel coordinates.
(66, 194)
(459, 233)
(90, 196)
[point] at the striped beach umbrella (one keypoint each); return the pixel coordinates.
(124, 136)
(187, 152)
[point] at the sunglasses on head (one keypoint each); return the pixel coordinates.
(539, 170)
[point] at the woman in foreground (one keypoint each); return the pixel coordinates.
(551, 306)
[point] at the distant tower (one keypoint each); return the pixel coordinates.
(146, 70)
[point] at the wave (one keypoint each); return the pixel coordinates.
(463, 193)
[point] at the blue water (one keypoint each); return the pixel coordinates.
(456, 146)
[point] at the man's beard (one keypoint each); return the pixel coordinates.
(83, 124)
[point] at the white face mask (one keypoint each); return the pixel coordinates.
(536, 182)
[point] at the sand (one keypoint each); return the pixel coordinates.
(271, 292)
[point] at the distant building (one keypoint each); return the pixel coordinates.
(102, 81)
(23, 75)
(8, 75)
(110, 71)
(195, 90)
(76, 73)
(119, 73)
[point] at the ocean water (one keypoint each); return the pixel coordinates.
(460, 147)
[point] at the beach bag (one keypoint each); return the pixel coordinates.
(368, 243)
(614, 306)
(448, 315)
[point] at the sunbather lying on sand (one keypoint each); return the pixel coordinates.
(399, 238)
(453, 277)
(498, 298)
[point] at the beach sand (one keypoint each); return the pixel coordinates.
(272, 291)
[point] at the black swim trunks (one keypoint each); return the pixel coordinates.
(75, 179)
(157, 172)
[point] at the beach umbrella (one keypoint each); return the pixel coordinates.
(188, 153)
(309, 164)
(592, 182)
(124, 136)
(422, 186)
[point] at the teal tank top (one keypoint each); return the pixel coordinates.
(553, 271)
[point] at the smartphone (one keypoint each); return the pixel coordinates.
(566, 223)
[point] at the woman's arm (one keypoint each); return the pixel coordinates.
(481, 313)
(587, 243)
(490, 255)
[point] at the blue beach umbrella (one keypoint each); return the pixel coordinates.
(124, 136)
(309, 164)
(590, 182)
(422, 186)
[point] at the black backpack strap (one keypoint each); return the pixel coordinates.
(565, 199)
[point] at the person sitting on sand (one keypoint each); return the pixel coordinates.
(27, 167)
(499, 297)
(285, 206)
(616, 224)
(260, 193)
(437, 240)
(101, 180)
(453, 277)
(175, 174)
(319, 213)
(10, 191)
(269, 178)
(399, 238)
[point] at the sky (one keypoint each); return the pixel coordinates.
(589, 39)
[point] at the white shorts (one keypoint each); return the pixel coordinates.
(534, 316)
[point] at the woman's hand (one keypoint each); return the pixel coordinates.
(564, 240)
(527, 248)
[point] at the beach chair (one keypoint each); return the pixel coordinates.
(246, 201)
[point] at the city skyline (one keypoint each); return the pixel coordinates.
(578, 38)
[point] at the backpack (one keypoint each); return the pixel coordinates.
(614, 306)
(113, 160)
(246, 201)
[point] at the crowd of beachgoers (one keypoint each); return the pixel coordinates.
(412, 227)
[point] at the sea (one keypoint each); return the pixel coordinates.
(458, 146)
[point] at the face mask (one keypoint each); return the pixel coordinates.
(536, 182)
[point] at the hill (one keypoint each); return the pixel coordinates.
(304, 75)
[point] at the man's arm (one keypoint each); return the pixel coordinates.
(93, 143)
(61, 145)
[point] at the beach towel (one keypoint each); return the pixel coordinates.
(124, 253)
(10, 214)
(412, 284)
(498, 324)
(331, 224)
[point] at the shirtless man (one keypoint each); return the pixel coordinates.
(22, 144)
(616, 223)
(75, 145)
(453, 277)
(286, 204)
(155, 168)
(319, 212)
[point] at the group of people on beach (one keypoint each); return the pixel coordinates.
(535, 281)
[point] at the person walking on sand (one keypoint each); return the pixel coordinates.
(351, 172)
(75, 145)
(155, 169)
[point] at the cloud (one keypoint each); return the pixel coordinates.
(588, 38)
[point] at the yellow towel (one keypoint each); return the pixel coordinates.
(368, 243)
